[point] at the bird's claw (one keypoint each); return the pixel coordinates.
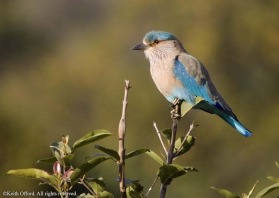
(175, 102)
(176, 112)
(175, 115)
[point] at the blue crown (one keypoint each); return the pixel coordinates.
(152, 36)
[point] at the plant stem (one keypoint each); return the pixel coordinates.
(151, 187)
(121, 138)
(186, 136)
(170, 154)
(86, 185)
(160, 137)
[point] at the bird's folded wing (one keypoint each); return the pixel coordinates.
(195, 78)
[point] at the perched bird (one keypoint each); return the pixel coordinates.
(180, 76)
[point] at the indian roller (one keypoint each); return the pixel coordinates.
(180, 76)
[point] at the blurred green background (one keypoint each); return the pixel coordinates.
(62, 71)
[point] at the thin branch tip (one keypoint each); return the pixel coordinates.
(127, 84)
(160, 137)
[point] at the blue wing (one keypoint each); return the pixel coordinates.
(196, 85)
(197, 82)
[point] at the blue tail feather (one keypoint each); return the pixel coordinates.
(230, 119)
(237, 125)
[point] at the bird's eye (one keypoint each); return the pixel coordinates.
(156, 41)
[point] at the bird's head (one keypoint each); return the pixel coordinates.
(158, 45)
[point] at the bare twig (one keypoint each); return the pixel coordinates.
(86, 185)
(185, 137)
(121, 147)
(160, 137)
(151, 187)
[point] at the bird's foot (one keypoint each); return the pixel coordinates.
(176, 110)
(175, 102)
(174, 114)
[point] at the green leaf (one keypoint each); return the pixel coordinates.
(182, 146)
(273, 179)
(52, 181)
(106, 194)
(98, 185)
(83, 195)
(137, 186)
(185, 107)
(60, 150)
(34, 173)
(155, 156)
(136, 153)
(135, 190)
(67, 159)
(129, 181)
(84, 168)
(267, 190)
(50, 160)
(225, 193)
(91, 137)
(171, 171)
(277, 164)
(167, 133)
(110, 152)
(131, 193)
(59, 158)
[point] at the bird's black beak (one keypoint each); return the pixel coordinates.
(140, 46)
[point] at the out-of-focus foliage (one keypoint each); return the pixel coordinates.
(62, 66)
(64, 175)
(262, 193)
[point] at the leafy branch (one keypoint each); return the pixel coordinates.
(176, 147)
(64, 175)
